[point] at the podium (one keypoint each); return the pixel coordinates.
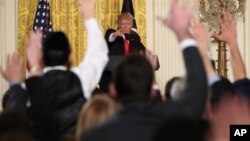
(107, 73)
(113, 60)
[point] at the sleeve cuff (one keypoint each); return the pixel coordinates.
(111, 38)
(212, 79)
(210, 56)
(188, 43)
(12, 84)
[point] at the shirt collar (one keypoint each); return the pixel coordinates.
(46, 69)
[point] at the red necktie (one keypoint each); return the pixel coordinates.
(126, 45)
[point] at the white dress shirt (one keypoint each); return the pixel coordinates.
(91, 67)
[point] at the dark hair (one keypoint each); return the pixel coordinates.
(126, 16)
(56, 49)
(242, 87)
(133, 78)
(220, 89)
(11, 121)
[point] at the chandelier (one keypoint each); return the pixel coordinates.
(209, 10)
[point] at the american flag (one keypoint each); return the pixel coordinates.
(127, 6)
(42, 19)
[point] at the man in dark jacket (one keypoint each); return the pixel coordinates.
(116, 39)
(123, 41)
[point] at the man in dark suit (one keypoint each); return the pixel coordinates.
(117, 39)
(52, 97)
(132, 85)
(123, 41)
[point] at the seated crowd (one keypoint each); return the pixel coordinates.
(61, 103)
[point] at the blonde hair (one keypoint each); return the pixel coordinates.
(96, 111)
(126, 16)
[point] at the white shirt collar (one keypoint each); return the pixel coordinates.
(46, 69)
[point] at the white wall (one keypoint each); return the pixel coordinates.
(8, 34)
(163, 42)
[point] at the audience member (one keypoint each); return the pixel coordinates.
(56, 93)
(175, 86)
(14, 127)
(15, 98)
(99, 109)
(229, 35)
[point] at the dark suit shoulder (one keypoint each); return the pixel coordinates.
(134, 122)
(60, 94)
(15, 99)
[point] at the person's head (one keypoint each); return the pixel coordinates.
(227, 106)
(242, 90)
(56, 49)
(132, 79)
(222, 92)
(94, 112)
(221, 106)
(125, 22)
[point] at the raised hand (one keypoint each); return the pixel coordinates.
(34, 51)
(179, 19)
(229, 35)
(87, 8)
(13, 71)
(200, 34)
(228, 29)
(117, 33)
